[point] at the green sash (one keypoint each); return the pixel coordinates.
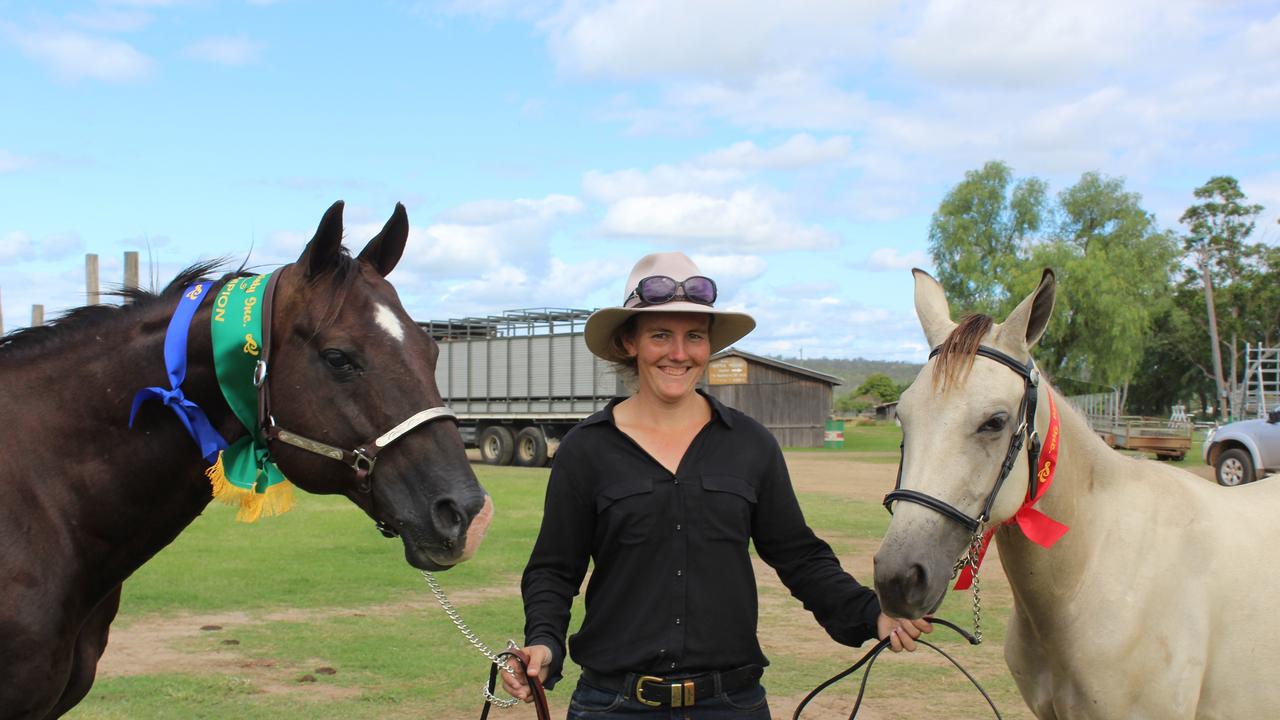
(244, 473)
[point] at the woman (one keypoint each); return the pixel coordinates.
(664, 490)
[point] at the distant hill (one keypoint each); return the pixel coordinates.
(855, 372)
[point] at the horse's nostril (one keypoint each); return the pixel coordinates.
(448, 517)
(917, 576)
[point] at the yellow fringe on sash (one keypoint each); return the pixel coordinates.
(277, 500)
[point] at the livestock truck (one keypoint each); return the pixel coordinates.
(520, 380)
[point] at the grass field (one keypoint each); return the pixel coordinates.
(313, 616)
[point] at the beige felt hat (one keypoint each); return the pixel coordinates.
(727, 327)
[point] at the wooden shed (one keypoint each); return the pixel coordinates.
(791, 401)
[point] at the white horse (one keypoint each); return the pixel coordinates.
(1156, 603)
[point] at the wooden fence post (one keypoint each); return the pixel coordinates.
(37, 315)
(130, 271)
(91, 279)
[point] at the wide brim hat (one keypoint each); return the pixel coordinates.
(727, 326)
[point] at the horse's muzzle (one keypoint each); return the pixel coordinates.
(906, 588)
(454, 535)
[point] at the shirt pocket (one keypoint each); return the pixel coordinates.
(626, 511)
(728, 502)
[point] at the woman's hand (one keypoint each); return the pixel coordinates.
(902, 633)
(517, 683)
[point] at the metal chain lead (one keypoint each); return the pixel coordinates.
(472, 638)
(970, 559)
(975, 555)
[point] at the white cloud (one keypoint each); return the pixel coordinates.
(884, 259)
(235, 50)
(721, 38)
(825, 326)
(555, 283)
(15, 246)
(18, 246)
(481, 236)
(661, 180)
(726, 269)
(745, 222)
(108, 20)
(798, 151)
(74, 55)
(13, 163)
(790, 99)
(1019, 45)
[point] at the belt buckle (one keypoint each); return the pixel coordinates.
(681, 693)
(640, 683)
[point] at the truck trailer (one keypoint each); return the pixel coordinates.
(520, 380)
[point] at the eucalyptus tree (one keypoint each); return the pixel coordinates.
(991, 237)
(1215, 247)
(981, 232)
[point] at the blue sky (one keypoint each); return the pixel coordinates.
(796, 150)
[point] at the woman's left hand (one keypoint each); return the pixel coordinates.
(902, 633)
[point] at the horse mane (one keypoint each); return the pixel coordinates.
(956, 353)
(31, 340)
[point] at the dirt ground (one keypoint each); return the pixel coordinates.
(159, 645)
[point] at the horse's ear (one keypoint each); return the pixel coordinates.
(1027, 322)
(385, 249)
(324, 249)
(932, 308)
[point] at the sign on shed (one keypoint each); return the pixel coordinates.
(727, 371)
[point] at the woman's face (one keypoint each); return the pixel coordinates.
(671, 352)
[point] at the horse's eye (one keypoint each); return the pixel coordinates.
(993, 424)
(337, 359)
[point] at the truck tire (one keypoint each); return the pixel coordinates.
(1235, 467)
(531, 447)
(496, 445)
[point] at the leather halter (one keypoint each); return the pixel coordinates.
(364, 457)
(1025, 432)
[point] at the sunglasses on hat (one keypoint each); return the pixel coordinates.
(659, 289)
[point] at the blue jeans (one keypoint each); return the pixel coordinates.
(592, 703)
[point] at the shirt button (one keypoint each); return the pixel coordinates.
(679, 573)
(673, 666)
(677, 621)
(663, 651)
(675, 481)
(679, 527)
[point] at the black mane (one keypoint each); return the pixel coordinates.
(36, 338)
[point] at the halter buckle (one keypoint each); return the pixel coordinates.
(362, 462)
(259, 373)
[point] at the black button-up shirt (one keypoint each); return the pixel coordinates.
(673, 591)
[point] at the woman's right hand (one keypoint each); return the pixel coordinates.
(517, 683)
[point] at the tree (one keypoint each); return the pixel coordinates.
(979, 234)
(1115, 268)
(880, 385)
(1214, 244)
(1114, 265)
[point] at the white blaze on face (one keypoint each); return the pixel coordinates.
(388, 321)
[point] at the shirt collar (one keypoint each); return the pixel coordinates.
(718, 409)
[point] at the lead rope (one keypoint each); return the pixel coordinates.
(870, 659)
(476, 642)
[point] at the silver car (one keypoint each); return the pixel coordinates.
(1241, 452)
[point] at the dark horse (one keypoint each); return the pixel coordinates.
(85, 500)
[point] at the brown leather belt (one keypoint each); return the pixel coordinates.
(675, 691)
